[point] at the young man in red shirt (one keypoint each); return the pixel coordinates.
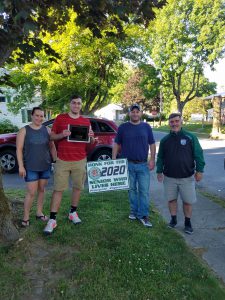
(71, 162)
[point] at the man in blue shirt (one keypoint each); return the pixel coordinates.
(132, 141)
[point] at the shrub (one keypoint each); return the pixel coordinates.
(148, 118)
(6, 126)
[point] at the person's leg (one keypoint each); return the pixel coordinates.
(187, 208)
(56, 201)
(61, 177)
(40, 197)
(78, 175)
(188, 195)
(171, 194)
(75, 197)
(133, 193)
(31, 191)
(143, 180)
(172, 205)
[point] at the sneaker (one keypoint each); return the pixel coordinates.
(145, 221)
(74, 218)
(172, 224)
(188, 229)
(51, 225)
(132, 216)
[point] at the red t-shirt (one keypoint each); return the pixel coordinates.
(69, 151)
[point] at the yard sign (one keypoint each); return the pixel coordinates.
(107, 175)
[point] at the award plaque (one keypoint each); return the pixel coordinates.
(78, 134)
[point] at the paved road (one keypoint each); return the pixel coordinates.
(213, 180)
(208, 218)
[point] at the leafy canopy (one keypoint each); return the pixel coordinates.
(185, 35)
(20, 18)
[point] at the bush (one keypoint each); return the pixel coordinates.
(6, 127)
(148, 118)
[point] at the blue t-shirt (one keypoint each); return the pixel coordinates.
(134, 140)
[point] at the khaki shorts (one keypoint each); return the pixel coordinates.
(183, 186)
(64, 169)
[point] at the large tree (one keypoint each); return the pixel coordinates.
(143, 87)
(186, 35)
(85, 64)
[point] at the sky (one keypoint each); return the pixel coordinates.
(218, 75)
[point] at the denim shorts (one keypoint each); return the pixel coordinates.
(37, 175)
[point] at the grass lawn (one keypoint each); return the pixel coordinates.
(106, 257)
(201, 130)
(197, 127)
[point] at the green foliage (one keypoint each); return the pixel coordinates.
(19, 19)
(6, 126)
(194, 106)
(143, 88)
(184, 36)
(88, 66)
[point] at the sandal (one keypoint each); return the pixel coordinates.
(25, 223)
(42, 218)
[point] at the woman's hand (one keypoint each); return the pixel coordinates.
(22, 172)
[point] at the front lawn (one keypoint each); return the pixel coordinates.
(106, 257)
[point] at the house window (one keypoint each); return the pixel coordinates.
(8, 99)
(2, 99)
(26, 115)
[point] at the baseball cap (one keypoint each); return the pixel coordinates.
(135, 105)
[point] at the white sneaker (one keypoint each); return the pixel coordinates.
(145, 221)
(132, 216)
(51, 225)
(74, 218)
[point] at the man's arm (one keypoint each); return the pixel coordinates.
(115, 150)
(199, 159)
(159, 164)
(58, 136)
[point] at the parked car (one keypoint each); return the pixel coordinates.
(104, 131)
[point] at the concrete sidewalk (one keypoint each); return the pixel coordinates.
(208, 222)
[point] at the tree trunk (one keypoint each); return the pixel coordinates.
(7, 229)
(180, 106)
(216, 127)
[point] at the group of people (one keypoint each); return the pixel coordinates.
(180, 163)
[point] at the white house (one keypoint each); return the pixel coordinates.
(23, 116)
(210, 111)
(111, 111)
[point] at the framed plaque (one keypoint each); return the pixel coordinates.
(78, 134)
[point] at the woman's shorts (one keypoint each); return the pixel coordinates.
(37, 175)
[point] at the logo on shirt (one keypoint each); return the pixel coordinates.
(94, 173)
(183, 142)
